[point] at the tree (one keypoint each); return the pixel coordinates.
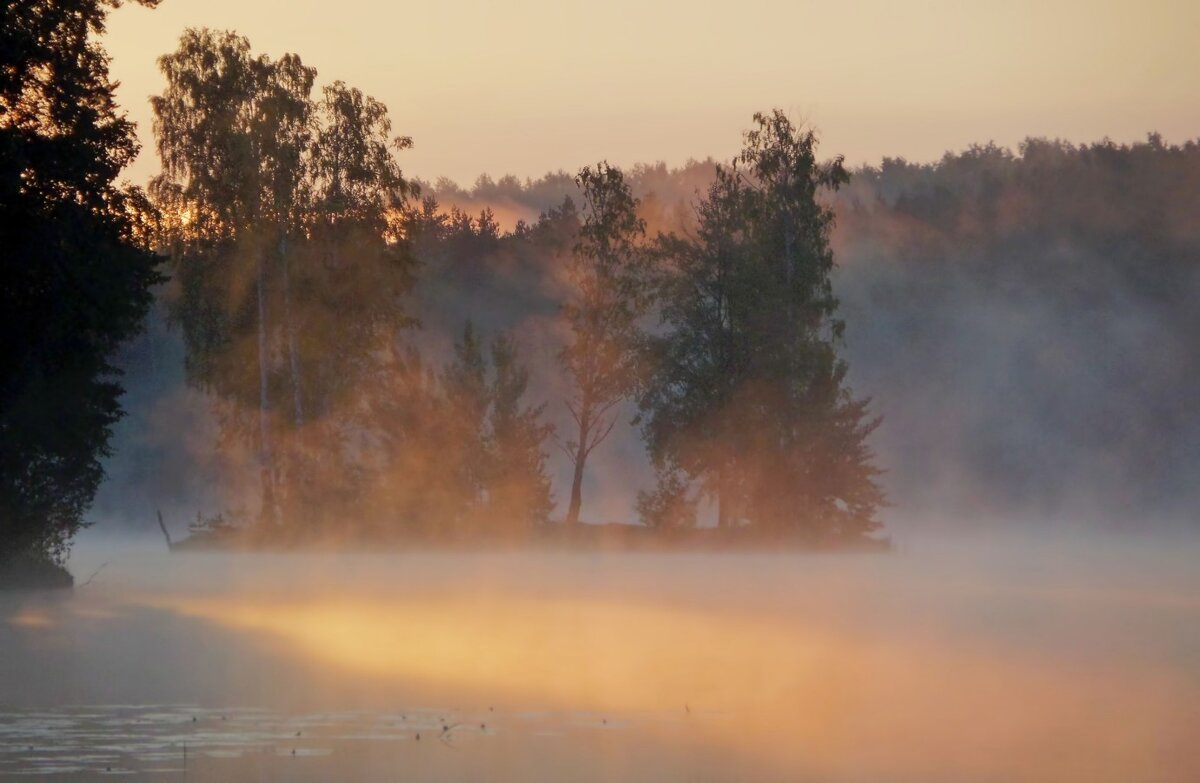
(457, 451)
(517, 484)
(76, 275)
(283, 213)
(464, 445)
(608, 299)
(229, 183)
(671, 503)
(708, 300)
(748, 397)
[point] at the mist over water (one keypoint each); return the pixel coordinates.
(1037, 622)
(972, 659)
(1020, 319)
(901, 478)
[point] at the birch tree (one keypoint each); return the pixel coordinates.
(282, 212)
(231, 130)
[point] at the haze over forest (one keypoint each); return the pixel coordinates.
(997, 334)
(1022, 364)
(529, 86)
(1021, 319)
(640, 391)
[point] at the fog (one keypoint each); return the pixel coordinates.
(901, 482)
(970, 659)
(1021, 320)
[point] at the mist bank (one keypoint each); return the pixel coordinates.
(1023, 321)
(1041, 657)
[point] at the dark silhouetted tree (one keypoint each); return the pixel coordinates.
(748, 397)
(75, 279)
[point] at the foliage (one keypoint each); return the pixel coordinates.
(287, 243)
(670, 504)
(518, 486)
(607, 272)
(467, 399)
(459, 452)
(76, 276)
(748, 395)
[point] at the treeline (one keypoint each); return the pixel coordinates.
(377, 356)
(295, 243)
(1024, 318)
(1028, 320)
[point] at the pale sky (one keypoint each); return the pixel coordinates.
(528, 86)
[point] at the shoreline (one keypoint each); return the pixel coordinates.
(586, 537)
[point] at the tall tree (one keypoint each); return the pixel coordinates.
(708, 301)
(284, 214)
(75, 279)
(749, 397)
(229, 180)
(607, 301)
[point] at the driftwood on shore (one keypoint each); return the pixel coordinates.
(163, 528)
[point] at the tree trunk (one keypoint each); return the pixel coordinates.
(722, 498)
(290, 331)
(789, 255)
(577, 484)
(266, 458)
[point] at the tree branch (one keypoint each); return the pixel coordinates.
(601, 433)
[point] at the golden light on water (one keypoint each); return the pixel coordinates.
(28, 618)
(778, 682)
(1074, 665)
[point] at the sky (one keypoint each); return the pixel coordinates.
(529, 86)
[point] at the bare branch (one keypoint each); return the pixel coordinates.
(606, 407)
(601, 433)
(570, 448)
(574, 412)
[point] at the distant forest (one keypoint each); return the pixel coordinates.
(1023, 320)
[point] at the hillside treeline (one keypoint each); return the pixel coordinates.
(1027, 321)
